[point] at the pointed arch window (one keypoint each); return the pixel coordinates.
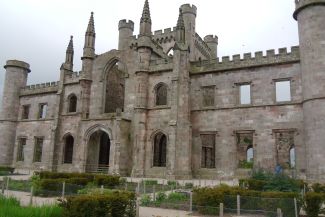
(160, 150)
(161, 94)
(68, 149)
(249, 154)
(72, 103)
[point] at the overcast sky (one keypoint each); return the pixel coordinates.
(38, 31)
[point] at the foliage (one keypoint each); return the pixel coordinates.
(107, 181)
(145, 200)
(11, 207)
(151, 182)
(161, 196)
(172, 183)
(206, 198)
(319, 188)
(5, 170)
(188, 185)
(174, 200)
(264, 181)
(245, 164)
(116, 203)
(313, 204)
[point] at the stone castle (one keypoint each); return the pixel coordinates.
(164, 105)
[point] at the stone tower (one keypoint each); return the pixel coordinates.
(310, 15)
(15, 79)
(212, 42)
(125, 29)
(142, 76)
(181, 132)
(189, 16)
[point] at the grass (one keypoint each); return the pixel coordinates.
(10, 207)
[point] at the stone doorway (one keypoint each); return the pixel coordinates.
(98, 156)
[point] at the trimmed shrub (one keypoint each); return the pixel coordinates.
(117, 203)
(5, 170)
(319, 188)
(107, 181)
(313, 203)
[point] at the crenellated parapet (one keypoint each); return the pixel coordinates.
(164, 36)
(301, 4)
(235, 62)
(189, 9)
(49, 87)
(128, 24)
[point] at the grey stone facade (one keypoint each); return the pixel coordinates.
(179, 114)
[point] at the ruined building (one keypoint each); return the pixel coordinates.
(165, 105)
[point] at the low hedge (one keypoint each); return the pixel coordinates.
(4, 170)
(205, 198)
(117, 203)
(313, 204)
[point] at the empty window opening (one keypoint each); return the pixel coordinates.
(249, 154)
(245, 151)
(38, 148)
(292, 157)
(72, 103)
(245, 94)
(208, 150)
(208, 96)
(160, 150)
(114, 91)
(25, 112)
(20, 149)
(171, 52)
(42, 111)
(68, 149)
(285, 155)
(282, 91)
(161, 94)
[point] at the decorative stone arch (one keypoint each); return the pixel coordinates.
(114, 86)
(161, 91)
(67, 152)
(159, 141)
(72, 103)
(93, 148)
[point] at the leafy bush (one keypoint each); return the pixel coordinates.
(172, 183)
(145, 200)
(151, 182)
(117, 203)
(107, 181)
(313, 204)
(161, 196)
(245, 164)
(188, 185)
(319, 188)
(5, 170)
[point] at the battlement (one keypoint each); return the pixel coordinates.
(165, 31)
(42, 85)
(129, 24)
(43, 88)
(189, 9)
(236, 62)
(301, 4)
(211, 39)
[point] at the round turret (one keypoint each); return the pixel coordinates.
(310, 15)
(126, 28)
(189, 17)
(15, 79)
(212, 42)
(189, 9)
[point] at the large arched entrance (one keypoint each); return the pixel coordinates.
(98, 156)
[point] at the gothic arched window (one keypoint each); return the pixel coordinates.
(249, 154)
(160, 150)
(68, 149)
(72, 103)
(161, 94)
(292, 153)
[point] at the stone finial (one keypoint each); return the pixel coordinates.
(145, 18)
(70, 45)
(180, 28)
(91, 25)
